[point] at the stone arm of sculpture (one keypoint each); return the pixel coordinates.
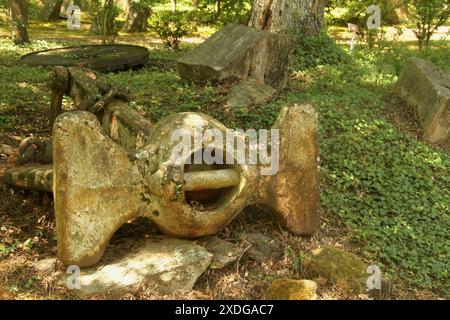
(88, 91)
(34, 149)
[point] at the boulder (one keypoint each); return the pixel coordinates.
(338, 267)
(164, 264)
(237, 51)
(427, 89)
(262, 248)
(224, 252)
(289, 289)
(248, 92)
(46, 265)
(346, 271)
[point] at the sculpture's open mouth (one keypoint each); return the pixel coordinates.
(210, 186)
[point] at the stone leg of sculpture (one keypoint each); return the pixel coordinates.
(293, 192)
(93, 178)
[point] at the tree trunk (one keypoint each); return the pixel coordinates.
(286, 16)
(51, 10)
(19, 20)
(195, 3)
(174, 5)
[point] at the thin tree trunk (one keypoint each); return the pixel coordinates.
(287, 16)
(195, 3)
(218, 8)
(174, 5)
(19, 20)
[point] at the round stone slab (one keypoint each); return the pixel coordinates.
(97, 57)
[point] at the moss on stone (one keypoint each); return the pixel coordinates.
(338, 267)
(289, 289)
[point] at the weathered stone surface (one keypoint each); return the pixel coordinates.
(241, 52)
(293, 193)
(289, 289)
(338, 267)
(34, 177)
(345, 270)
(427, 88)
(262, 247)
(126, 126)
(46, 265)
(7, 150)
(164, 264)
(99, 185)
(224, 252)
(248, 92)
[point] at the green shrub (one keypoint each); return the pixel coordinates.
(223, 12)
(171, 26)
(311, 51)
(105, 14)
(425, 17)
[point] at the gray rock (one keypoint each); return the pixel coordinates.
(165, 264)
(241, 52)
(46, 265)
(224, 252)
(248, 92)
(427, 89)
(262, 247)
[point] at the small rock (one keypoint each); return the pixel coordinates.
(7, 150)
(289, 289)
(338, 267)
(262, 247)
(46, 265)
(165, 264)
(247, 93)
(224, 252)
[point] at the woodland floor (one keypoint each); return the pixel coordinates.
(27, 225)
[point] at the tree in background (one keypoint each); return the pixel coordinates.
(286, 16)
(425, 17)
(355, 12)
(19, 19)
(138, 13)
(105, 13)
(222, 12)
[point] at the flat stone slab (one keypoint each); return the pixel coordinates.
(165, 264)
(248, 92)
(224, 252)
(426, 88)
(262, 248)
(97, 57)
(241, 52)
